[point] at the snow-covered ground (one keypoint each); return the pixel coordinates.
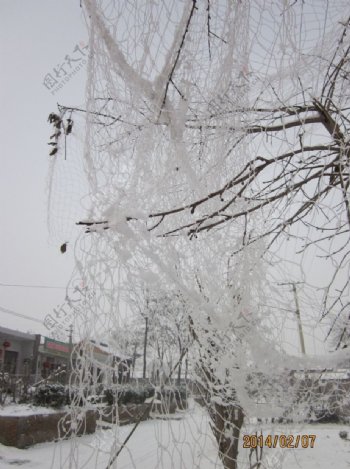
(184, 442)
(17, 410)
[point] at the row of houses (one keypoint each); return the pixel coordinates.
(37, 356)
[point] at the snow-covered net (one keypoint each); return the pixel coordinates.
(216, 155)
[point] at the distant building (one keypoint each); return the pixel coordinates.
(53, 355)
(18, 352)
(104, 363)
(41, 357)
(32, 355)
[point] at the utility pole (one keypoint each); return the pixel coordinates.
(297, 313)
(145, 346)
(69, 369)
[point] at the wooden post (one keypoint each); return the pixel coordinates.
(69, 368)
(300, 327)
(145, 347)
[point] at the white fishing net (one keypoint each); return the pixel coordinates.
(216, 156)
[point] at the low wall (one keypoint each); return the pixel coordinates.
(24, 431)
(130, 413)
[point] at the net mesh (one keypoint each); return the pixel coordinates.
(215, 220)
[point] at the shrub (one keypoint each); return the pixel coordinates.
(50, 395)
(181, 397)
(76, 397)
(327, 417)
(110, 395)
(138, 394)
(128, 394)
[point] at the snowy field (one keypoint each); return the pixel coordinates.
(184, 442)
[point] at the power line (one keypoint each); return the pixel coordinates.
(22, 285)
(33, 286)
(23, 316)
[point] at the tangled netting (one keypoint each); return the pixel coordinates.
(214, 226)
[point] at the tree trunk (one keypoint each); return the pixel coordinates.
(227, 421)
(180, 362)
(134, 360)
(179, 372)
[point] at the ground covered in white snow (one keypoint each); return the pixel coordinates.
(184, 442)
(18, 410)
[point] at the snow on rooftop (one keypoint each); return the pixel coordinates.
(16, 333)
(109, 349)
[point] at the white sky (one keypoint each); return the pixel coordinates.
(35, 36)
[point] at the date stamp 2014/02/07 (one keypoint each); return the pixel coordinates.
(279, 441)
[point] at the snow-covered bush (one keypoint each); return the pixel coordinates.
(181, 395)
(138, 394)
(128, 394)
(50, 395)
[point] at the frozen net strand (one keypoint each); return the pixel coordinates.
(179, 90)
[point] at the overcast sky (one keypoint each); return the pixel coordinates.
(35, 37)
